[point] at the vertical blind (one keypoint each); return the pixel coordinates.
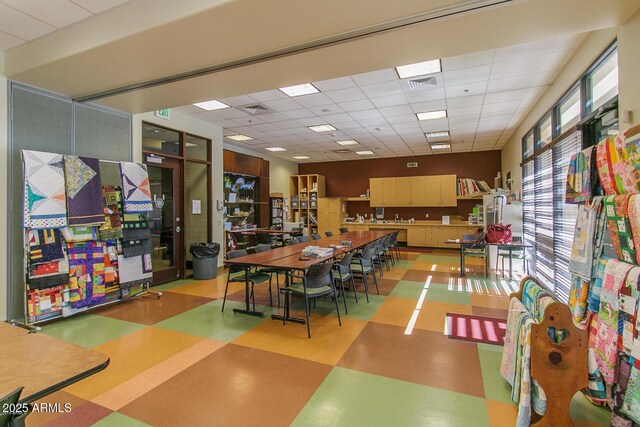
(549, 222)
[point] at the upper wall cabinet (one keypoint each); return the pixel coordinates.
(427, 191)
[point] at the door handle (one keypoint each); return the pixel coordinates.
(177, 229)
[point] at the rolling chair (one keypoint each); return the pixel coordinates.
(328, 234)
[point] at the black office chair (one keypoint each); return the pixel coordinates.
(303, 239)
(238, 274)
(240, 240)
(316, 282)
(315, 236)
(344, 230)
(264, 238)
(328, 234)
(293, 241)
(296, 232)
(9, 418)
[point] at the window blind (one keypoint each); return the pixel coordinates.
(543, 219)
(528, 212)
(564, 214)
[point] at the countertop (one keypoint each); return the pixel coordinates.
(417, 223)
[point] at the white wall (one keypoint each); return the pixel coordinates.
(629, 65)
(4, 186)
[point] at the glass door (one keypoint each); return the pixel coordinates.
(165, 181)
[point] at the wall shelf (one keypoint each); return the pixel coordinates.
(477, 197)
(357, 199)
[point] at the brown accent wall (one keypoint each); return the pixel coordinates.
(351, 178)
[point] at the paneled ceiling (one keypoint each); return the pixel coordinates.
(486, 95)
(25, 20)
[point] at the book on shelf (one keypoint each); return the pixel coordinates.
(472, 187)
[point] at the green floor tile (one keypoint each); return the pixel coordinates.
(117, 419)
(360, 310)
(490, 347)
(582, 409)
(352, 398)
(403, 264)
(209, 322)
(443, 294)
(495, 387)
(407, 289)
(90, 330)
(435, 259)
(172, 285)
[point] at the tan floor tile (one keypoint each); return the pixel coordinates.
(130, 355)
(502, 414)
(398, 311)
(490, 301)
(213, 288)
(395, 273)
(327, 345)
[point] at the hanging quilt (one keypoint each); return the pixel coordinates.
(606, 344)
(112, 227)
(135, 226)
(86, 274)
(135, 187)
(45, 246)
(600, 233)
(596, 390)
(508, 365)
(582, 257)
(631, 402)
(580, 176)
(593, 300)
(531, 394)
(44, 304)
(628, 145)
(132, 248)
(619, 227)
(578, 298)
(633, 211)
(44, 196)
(84, 190)
(135, 270)
(50, 274)
(79, 234)
(532, 294)
(628, 303)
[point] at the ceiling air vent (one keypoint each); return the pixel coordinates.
(255, 109)
(341, 151)
(422, 83)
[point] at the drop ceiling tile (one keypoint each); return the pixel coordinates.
(312, 121)
(21, 25)
(313, 100)
(501, 107)
(375, 77)
(464, 111)
(238, 101)
(325, 110)
(412, 126)
(422, 107)
(467, 75)
(467, 90)
(278, 133)
(357, 132)
(535, 92)
(365, 104)
(382, 89)
(269, 95)
(468, 60)
(373, 123)
(337, 118)
(284, 104)
(465, 101)
(397, 110)
(98, 6)
(365, 114)
(287, 124)
(298, 114)
(463, 122)
(403, 118)
(511, 83)
(334, 84)
(424, 95)
(228, 123)
(517, 67)
(388, 101)
(545, 77)
(508, 95)
(346, 95)
(348, 125)
(273, 117)
(248, 121)
(301, 131)
(59, 13)
(488, 135)
(231, 113)
(434, 125)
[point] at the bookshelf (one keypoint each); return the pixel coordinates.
(305, 190)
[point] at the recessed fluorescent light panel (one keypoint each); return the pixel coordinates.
(437, 136)
(301, 157)
(419, 69)
(211, 105)
(364, 153)
(297, 90)
(431, 115)
(440, 146)
(322, 128)
(276, 149)
(239, 137)
(347, 142)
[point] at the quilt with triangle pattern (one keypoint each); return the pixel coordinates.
(45, 204)
(136, 193)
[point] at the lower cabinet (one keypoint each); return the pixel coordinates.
(434, 236)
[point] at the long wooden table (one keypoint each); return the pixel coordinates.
(288, 258)
(42, 364)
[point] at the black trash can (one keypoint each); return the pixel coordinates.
(205, 260)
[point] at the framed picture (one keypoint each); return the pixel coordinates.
(380, 213)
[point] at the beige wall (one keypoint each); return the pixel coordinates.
(628, 36)
(4, 151)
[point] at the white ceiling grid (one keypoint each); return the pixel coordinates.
(486, 94)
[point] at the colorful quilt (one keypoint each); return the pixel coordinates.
(620, 227)
(508, 365)
(84, 190)
(135, 227)
(132, 248)
(112, 227)
(531, 394)
(45, 246)
(628, 303)
(578, 298)
(633, 211)
(593, 300)
(631, 402)
(606, 343)
(135, 270)
(582, 257)
(580, 176)
(628, 145)
(600, 233)
(47, 275)
(44, 304)
(86, 274)
(532, 294)
(44, 192)
(79, 234)
(135, 187)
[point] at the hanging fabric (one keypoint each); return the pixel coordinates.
(628, 302)
(135, 187)
(44, 192)
(619, 227)
(593, 300)
(628, 175)
(135, 226)
(135, 270)
(631, 402)
(79, 234)
(86, 274)
(44, 304)
(633, 211)
(578, 298)
(112, 227)
(508, 365)
(582, 251)
(581, 176)
(84, 190)
(596, 390)
(45, 246)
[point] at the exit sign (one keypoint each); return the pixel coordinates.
(163, 113)
(412, 164)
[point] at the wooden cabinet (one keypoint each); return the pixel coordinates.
(428, 191)
(416, 236)
(448, 185)
(418, 191)
(446, 233)
(389, 192)
(432, 186)
(376, 192)
(331, 212)
(403, 192)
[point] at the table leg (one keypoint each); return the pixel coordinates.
(247, 309)
(286, 317)
(510, 263)
(461, 261)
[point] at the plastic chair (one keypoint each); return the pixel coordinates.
(365, 265)
(328, 234)
(475, 249)
(238, 274)
(342, 274)
(7, 418)
(344, 230)
(316, 282)
(293, 241)
(296, 232)
(270, 271)
(264, 238)
(315, 236)
(303, 239)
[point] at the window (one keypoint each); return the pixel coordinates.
(568, 112)
(527, 145)
(544, 132)
(602, 82)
